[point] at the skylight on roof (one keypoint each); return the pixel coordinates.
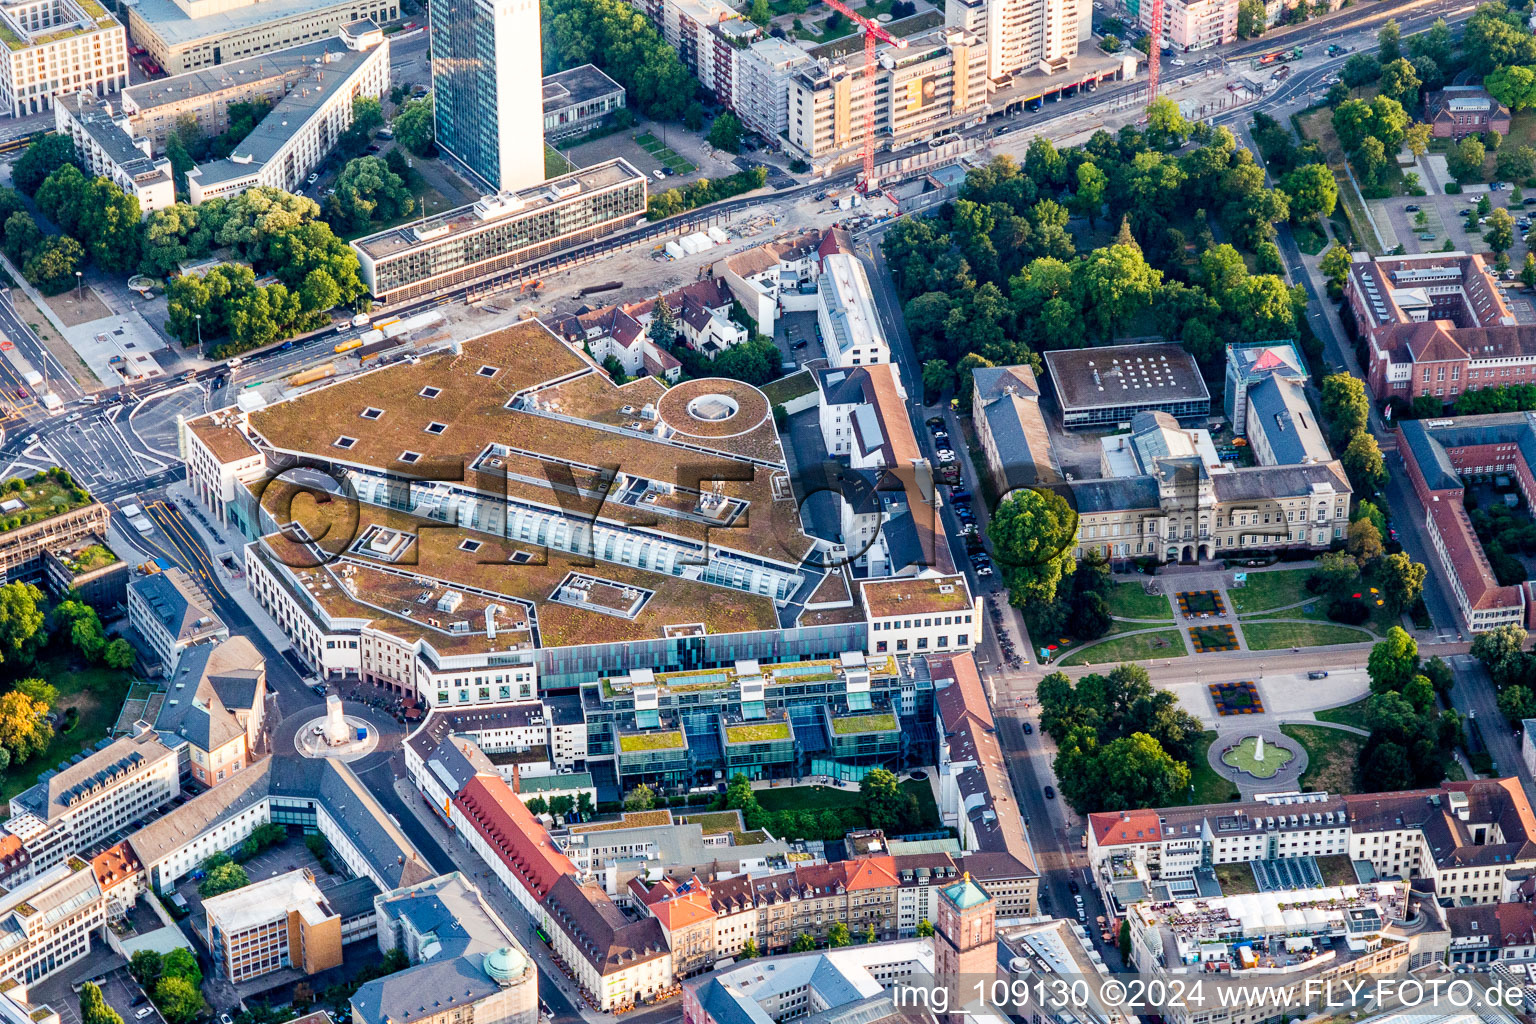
(469, 545)
(430, 392)
(344, 441)
(409, 457)
(436, 428)
(371, 413)
(488, 371)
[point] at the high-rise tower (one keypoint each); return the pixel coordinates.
(488, 87)
(964, 943)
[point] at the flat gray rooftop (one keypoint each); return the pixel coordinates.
(171, 23)
(247, 72)
(578, 85)
(1115, 375)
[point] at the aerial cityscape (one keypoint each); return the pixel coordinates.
(767, 511)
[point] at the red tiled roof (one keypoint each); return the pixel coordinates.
(115, 864)
(1125, 828)
(499, 815)
(851, 875)
(965, 698)
(682, 911)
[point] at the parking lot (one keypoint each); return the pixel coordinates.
(1445, 220)
(799, 338)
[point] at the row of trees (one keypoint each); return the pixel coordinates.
(703, 192)
(1512, 669)
(1122, 743)
(1411, 740)
(1346, 410)
(996, 275)
(563, 806)
(174, 982)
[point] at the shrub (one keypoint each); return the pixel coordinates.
(1348, 611)
(1452, 187)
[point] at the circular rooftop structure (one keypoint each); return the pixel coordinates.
(505, 965)
(713, 407)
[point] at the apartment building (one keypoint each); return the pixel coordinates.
(1024, 37)
(303, 126)
(617, 962)
(1195, 24)
(706, 35)
(22, 548)
(846, 314)
(1492, 933)
(763, 72)
(1010, 428)
(493, 822)
(780, 276)
(215, 707)
(501, 232)
(46, 924)
(272, 924)
(108, 148)
(125, 781)
(59, 47)
(184, 35)
(937, 83)
(465, 962)
(1470, 841)
(172, 613)
(1438, 455)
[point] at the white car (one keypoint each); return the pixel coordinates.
(74, 417)
(1178, 63)
(29, 439)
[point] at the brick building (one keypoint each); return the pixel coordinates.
(1461, 110)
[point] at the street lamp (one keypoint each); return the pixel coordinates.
(79, 285)
(199, 318)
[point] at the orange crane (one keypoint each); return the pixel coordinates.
(872, 32)
(1154, 51)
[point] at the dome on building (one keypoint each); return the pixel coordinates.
(505, 965)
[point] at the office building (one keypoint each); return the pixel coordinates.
(214, 708)
(937, 83)
(273, 923)
(1024, 37)
(47, 923)
(1436, 324)
(87, 801)
(832, 986)
(1103, 387)
(850, 327)
(501, 232)
(90, 566)
(1461, 110)
(1439, 455)
(487, 80)
(578, 100)
(617, 962)
(322, 81)
(1015, 442)
(59, 47)
(172, 613)
(184, 35)
(38, 525)
(1194, 24)
(465, 963)
(107, 146)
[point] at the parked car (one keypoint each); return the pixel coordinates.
(1317, 674)
(1412, 208)
(143, 1012)
(1050, 794)
(1073, 887)
(802, 343)
(1028, 729)
(314, 177)
(935, 421)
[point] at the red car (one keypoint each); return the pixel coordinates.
(21, 392)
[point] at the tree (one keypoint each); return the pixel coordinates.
(1112, 283)
(760, 14)
(1465, 159)
(21, 622)
(1387, 41)
(1364, 542)
(1335, 265)
(1312, 190)
(1516, 163)
(803, 943)
(1091, 186)
(1400, 80)
(368, 191)
(223, 878)
(1166, 126)
(924, 929)
(53, 264)
(1501, 651)
(726, 132)
(663, 326)
(641, 798)
(1033, 533)
(1401, 579)
(145, 965)
(94, 1009)
(936, 377)
(538, 805)
(414, 128)
(1125, 941)
(1363, 462)
(1345, 405)
(838, 936)
(1496, 37)
(23, 730)
(22, 237)
(1416, 138)
(881, 798)
(1517, 703)
(870, 936)
(44, 155)
(39, 690)
(1434, 43)
(1500, 235)
(1515, 87)
(1361, 69)
(1250, 19)
(178, 1000)
(749, 950)
(1393, 661)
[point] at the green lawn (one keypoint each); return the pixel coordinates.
(1207, 786)
(854, 724)
(96, 693)
(1347, 714)
(1237, 879)
(556, 163)
(1309, 238)
(651, 741)
(1336, 869)
(658, 149)
(1331, 756)
(821, 798)
(1266, 591)
(1132, 602)
(1272, 636)
(1162, 643)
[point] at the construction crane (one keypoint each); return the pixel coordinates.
(1154, 52)
(872, 32)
